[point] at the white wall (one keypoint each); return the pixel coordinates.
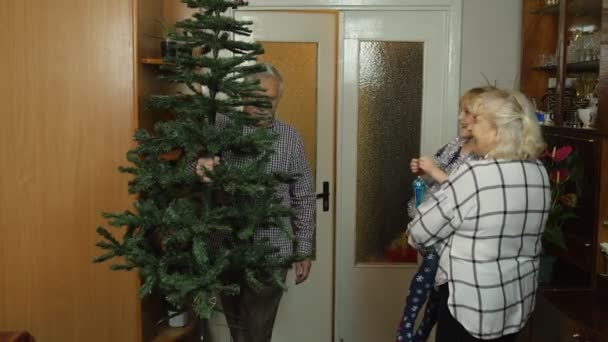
(491, 43)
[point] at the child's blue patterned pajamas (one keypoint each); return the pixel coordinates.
(421, 288)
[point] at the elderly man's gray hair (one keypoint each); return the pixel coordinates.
(269, 71)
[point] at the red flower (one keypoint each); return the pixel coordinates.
(559, 176)
(562, 153)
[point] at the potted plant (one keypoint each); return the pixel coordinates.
(565, 170)
(168, 47)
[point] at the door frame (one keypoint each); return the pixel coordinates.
(453, 10)
(327, 120)
(449, 127)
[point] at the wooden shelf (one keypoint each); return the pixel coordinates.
(585, 133)
(545, 68)
(152, 61)
(591, 66)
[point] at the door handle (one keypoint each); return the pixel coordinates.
(325, 196)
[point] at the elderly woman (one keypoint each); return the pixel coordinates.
(435, 171)
(490, 215)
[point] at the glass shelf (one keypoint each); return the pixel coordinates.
(577, 8)
(583, 8)
(591, 66)
(550, 10)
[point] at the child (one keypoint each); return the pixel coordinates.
(449, 157)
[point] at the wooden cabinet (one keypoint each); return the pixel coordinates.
(148, 57)
(67, 121)
(576, 263)
(564, 59)
(568, 317)
(564, 69)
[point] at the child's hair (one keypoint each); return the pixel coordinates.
(469, 96)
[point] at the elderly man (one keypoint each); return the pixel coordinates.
(251, 314)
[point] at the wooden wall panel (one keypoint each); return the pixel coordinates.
(66, 109)
(175, 10)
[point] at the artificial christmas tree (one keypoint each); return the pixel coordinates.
(184, 233)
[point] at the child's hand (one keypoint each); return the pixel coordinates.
(414, 165)
(423, 165)
(428, 166)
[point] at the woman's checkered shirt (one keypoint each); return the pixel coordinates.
(491, 215)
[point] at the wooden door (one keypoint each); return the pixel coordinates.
(66, 100)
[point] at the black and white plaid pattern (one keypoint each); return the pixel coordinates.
(289, 156)
(491, 215)
(448, 159)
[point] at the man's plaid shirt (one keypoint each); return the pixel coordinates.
(491, 215)
(289, 156)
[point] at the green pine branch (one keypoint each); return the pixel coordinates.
(183, 235)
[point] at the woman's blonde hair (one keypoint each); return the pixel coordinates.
(518, 132)
(467, 99)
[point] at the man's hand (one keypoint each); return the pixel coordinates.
(302, 269)
(206, 164)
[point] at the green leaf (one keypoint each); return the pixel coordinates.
(245, 234)
(121, 267)
(252, 281)
(555, 236)
(107, 235)
(200, 252)
(167, 236)
(105, 245)
(104, 257)
(147, 286)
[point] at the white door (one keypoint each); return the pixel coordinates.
(394, 105)
(303, 48)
